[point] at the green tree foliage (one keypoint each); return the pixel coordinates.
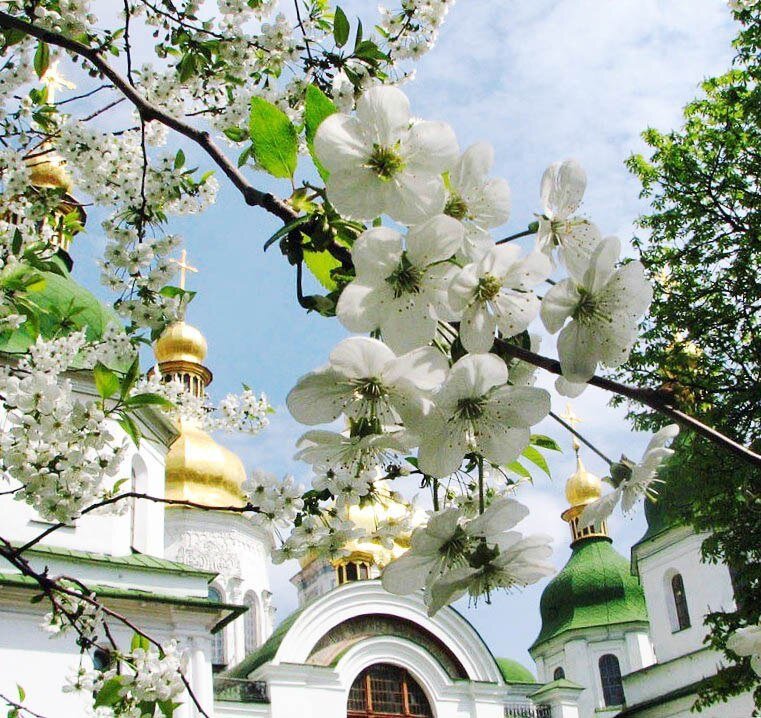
(702, 342)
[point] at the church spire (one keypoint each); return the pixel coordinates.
(581, 489)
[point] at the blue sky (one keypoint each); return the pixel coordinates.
(542, 80)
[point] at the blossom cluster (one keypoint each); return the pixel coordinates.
(443, 302)
(451, 556)
(276, 502)
(57, 446)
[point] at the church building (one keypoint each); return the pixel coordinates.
(619, 637)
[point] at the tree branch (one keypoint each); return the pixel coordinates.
(649, 397)
(150, 112)
(248, 507)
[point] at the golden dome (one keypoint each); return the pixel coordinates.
(388, 506)
(180, 342)
(198, 469)
(49, 170)
(582, 487)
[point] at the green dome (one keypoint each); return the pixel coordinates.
(595, 588)
(67, 304)
(514, 672)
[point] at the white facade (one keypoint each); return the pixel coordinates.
(238, 551)
(336, 637)
(680, 590)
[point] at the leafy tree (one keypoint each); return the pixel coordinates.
(701, 341)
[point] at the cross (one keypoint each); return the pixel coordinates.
(183, 266)
(572, 419)
(55, 80)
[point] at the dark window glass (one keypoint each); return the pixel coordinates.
(558, 674)
(363, 570)
(680, 602)
(610, 676)
(351, 572)
(385, 691)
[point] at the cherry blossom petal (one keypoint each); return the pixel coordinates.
(360, 357)
(442, 449)
(471, 170)
(412, 198)
(358, 307)
(436, 240)
(431, 147)
(515, 311)
(340, 144)
(474, 374)
(318, 397)
(408, 573)
(385, 112)
(577, 349)
(562, 188)
(406, 323)
(376, 253)
(559, 304)
(425, 368)
(357, 193)
(602, 264)
(502, 514)
(477, 329)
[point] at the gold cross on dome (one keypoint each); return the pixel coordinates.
(572, 419)
(183, 266)
(55, 80)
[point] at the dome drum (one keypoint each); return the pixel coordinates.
(195, 377)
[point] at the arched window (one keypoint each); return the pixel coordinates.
(680, 602)
(610, 677)
(386, 691)
(218, 638)
(250, 623)
(558, 674)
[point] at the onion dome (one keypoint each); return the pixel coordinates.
(582, 489)
(198, 469)
(595, 588)
(47, 170)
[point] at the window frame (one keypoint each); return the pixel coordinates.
(611, 683)
(406, 678)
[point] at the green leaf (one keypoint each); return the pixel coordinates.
(274, 138)
(130, 428)
(545, 442)
(284, 230)
(167, 708)
(320, 265)
(130, 377)
(37, 598)
(179, 159)
(21, 693)
(41, 58)
(110, 692)
(340, 27)
(535, 457)
(236, 134)
(317, 107)
(106, 382)
(517, 468)
(139, 641)
(149, 400)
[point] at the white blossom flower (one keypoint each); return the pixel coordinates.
(518, 561)
(478, 201)
(476, 411)
(637, 483)
(382, 162)
(495, 293)
(563, 185)
(366, 380)
(277, 501)
(439, 543)
(604, 305)
(747, 642)
(401, 288)
(329, 449)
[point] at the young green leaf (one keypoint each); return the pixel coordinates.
(109, 693)
(130, 377)
(274, 139)
(179, 159)
(130, 428)
(41, 58)
(320, 265)
(106, 382)
(149, 400)
(340, 27)
(545, 442)
(535, 457)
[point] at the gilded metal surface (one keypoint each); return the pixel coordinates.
(180, 342)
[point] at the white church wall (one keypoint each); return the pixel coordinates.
(707, 588)
(30, 657)
(235, 548)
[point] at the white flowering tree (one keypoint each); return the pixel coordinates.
(395, 221)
